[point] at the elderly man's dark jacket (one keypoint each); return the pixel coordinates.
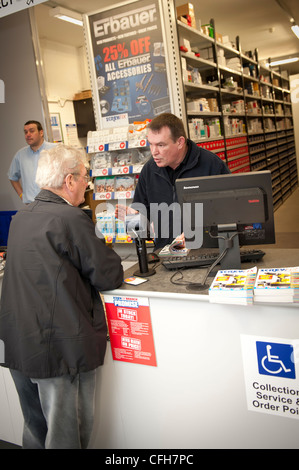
(52, 320)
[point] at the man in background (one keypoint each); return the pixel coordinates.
(23, 167)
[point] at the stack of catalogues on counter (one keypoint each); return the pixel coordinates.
(233, 286)
(277, 285)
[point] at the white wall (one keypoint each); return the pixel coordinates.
(294, 85)
(66, 73)
(22, 100)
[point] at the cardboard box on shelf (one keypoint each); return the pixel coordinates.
(208, 30)
(185, 43)
(83, 95)
(213, 105)
(222, 61)
(225, 39)
(218, 37)
(207, 53)
(186, 9)
(183, 19)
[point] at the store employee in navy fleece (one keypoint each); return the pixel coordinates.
(173, 157)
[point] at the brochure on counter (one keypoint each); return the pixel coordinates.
(176, 248)
(277, 285)
(233, 286)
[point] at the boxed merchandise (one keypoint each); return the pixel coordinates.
(208, 30)
(238, 106)
(83, 95)
(207, 53)
(234, 64)
(192, 106)
(213, 105)
(222, 61)
(218, 37)
(185, 43)
(275, 82)
(187, 11)
(183, 19)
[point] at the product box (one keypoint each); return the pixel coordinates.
(222, 61)
(213, 105)
(185, 43)
(186, 9)
(83, 95)
(218, 37)
(208, 30)
(207, 53)
(183, 19)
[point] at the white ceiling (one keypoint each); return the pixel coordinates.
(261, 24)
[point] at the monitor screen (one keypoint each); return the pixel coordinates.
(237, 209)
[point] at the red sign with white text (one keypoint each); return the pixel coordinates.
(130, 329)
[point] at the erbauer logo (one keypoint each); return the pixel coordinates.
(191, 187)
(122, 22)
(2, 92)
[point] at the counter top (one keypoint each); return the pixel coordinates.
(161, 283)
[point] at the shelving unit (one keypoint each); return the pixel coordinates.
(237, 108)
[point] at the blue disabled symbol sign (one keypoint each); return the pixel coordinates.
(272, 385)
(276, 359)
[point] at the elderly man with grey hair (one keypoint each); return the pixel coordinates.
(52, 320)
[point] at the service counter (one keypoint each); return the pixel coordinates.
(196, 395)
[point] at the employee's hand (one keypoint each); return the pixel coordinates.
(121, 211)
(182, 239)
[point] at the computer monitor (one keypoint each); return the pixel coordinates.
(237, 211)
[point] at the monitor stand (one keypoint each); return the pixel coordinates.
(144, 270)
(228, 238)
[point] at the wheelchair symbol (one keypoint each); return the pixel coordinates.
(275, 359)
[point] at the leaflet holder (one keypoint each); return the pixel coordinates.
(139, 233)
(144, 270)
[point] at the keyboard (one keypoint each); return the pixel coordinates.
(207, 259)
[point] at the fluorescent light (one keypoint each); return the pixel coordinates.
(67, 15)
(283, 61)
(295, 30)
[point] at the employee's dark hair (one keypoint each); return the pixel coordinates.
(38, 124)
(174, 123)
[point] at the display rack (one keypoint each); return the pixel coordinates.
(237, 108)
(116, 158)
